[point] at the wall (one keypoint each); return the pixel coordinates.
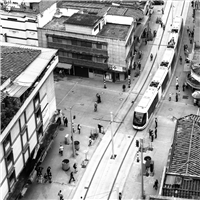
(46, 16)
(19, 29)
(78, 29)
(119, 19)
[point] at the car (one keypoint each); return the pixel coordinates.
(159, 2)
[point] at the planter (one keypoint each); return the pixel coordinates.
(65, 165)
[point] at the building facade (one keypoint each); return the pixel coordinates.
(19, 20)
(95, 42)
(27, 105)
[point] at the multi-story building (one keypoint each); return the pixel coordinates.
(19, 19)
(95, 40)
(27, 105)
(193, 78)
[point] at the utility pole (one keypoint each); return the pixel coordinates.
(142, 181)
(111, 121)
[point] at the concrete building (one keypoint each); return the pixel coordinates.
(19, 19)
(96, 40)
(27, 105)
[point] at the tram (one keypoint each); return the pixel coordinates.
(156, 88)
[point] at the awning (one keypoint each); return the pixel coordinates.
(140, 28)
(64, 65)
(16, 90)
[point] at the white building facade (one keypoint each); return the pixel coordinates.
(20, 139)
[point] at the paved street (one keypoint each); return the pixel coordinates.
(73, 91)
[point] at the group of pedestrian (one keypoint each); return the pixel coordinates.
(137, 65)
(153, 134)
(47, 175)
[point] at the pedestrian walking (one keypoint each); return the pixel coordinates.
(71, 177)
(162, 11)
(139, 66)
(170, 96)
(188, 29)
(177, 85)
(48, 170)
(66, 122)
(163, 27)
(98, 98)
(45, 178)
(156, 122)
(104, 83)
(152, 137)
(181, 60)
(60, 195)
(145, 41)
(120, 195)
(134, 65)
(95, 106)
(155, 184)
(79, 128)
(123, 88)
(150, 132)
(99, 127)
(176, 97)
(59, 121)
(186, 86)
(155, 132)
(50, 177)
(75, 167)
(190, 40)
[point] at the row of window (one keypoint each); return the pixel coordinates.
(77, 42)
(21, 128)
(82, 57)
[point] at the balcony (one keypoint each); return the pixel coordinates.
(78, 49)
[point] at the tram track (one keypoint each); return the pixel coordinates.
(120, 125)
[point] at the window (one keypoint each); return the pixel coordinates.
(40, 133)
(38, 116)
(7, 143)
(74, 42)
(49, 39)
(100, 60)
(86, 44)
(99, 46)
(12, 178)
(24, 138)
(58, 40)
(22, 121)
(84, 57)
(36, 101)
(26, 155)
(9, 160)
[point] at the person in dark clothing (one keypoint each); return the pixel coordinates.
(176, 97)
(48, 170)
(66, 122)
(98, 98)
(183, 87)
(45, 178)
(58, 121)
(60, 195)
(95, 106)
(155, 184)
(79, 128)
(156, 122)
(150, 132)
(155, 132)
(120, 195)
(152, 137)
(99, 127)
(71, 177)
(124, 88)
(180, 60)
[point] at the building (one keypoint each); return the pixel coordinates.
(193, 77)
(181, 176)
(27, 105)
(95, 39)
(19, 19)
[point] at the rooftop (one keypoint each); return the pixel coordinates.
(57, 23)
(83, 19)
(15, 60)
(116, 31)
(185, 157)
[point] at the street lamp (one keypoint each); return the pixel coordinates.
(72, 128)
(111, 121)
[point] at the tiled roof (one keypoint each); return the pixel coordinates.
(185, 158)
(15, 60)
(83, 19)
